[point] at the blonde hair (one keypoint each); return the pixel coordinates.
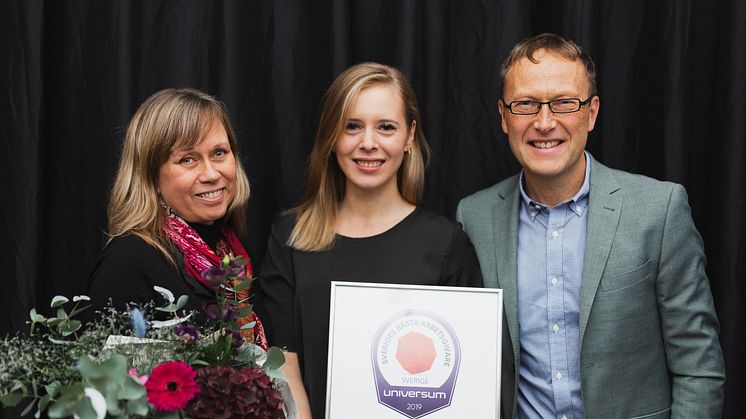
(169, 119)
(325, 187)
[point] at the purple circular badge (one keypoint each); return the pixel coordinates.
(416, 357)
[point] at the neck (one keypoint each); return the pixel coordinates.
(367, 213)
(552, 191)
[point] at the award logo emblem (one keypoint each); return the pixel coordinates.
(416, 357)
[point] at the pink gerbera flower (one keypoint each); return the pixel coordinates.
(171, 385)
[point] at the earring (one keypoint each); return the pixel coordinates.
(408, 151)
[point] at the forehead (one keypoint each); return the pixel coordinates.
(380, 100)
(551, 76)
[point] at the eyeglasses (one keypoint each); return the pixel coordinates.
(532, 107)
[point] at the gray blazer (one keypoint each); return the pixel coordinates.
(648, 331)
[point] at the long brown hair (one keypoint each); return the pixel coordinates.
(325, 187)
(169, 119)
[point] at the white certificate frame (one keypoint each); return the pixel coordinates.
(370, 322)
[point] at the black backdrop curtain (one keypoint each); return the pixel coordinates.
(672, 81)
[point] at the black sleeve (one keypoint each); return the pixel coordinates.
(127, 271)
(276, 290)
(461, 267)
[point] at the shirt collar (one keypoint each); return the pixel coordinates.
(577, 203)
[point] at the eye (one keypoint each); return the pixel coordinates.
(388, 127)
(186, 160)
(219, 153)
(353, 126)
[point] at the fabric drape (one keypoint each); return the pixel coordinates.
(672, 85)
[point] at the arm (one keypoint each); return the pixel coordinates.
(291, 369)
(461, 267)
(688, 321)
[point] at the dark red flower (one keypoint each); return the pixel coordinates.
(215, 276)
(171, 385)
(235, 393)
(213, 312)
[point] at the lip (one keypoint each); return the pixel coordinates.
(545, 144)
(368, 165)
(213, 196)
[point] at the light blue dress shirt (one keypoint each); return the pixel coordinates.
(551, 245)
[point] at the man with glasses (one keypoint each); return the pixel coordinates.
(608, 312)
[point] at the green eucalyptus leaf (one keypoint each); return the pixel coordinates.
(11, 399)
(245, 310)
(168, 295)
(78, 310)
(52, 388)
(81, 298)
(200, 362)
(43, 402)
(131, 389)
(248, 325)
(275, 359)
(53, 321)
(70, 327)
(67, 404)
(181, 303)
(276, 375)
(168, 309)
(242, 285)
(59, 341)
(28, 408)
(138, 407)
(18, 385)
(58, 300)
(36, 317)
(62, 314)
(85, 409)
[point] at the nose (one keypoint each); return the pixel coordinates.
(368, 141)
(545, 119)
(209, 172)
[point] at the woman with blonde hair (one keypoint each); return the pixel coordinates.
(178, 203)
(359, 220)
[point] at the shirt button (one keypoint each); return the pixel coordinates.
(558, 376)
(555, 328)
(555, 281)
(555, 234)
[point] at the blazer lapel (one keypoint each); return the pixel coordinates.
(505, 231)
(604, 210)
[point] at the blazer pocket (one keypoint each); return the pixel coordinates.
(627, 279)
(665, 413)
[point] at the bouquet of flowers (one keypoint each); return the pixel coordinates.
(123, 365)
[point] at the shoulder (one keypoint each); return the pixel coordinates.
(634, 186)
(127, 261)
(434, 227)
(486, 197)
(283, 226)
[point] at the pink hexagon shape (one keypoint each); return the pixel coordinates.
(415, 352)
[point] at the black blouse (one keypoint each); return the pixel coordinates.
(294, 286)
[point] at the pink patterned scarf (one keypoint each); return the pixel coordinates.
(198, 257)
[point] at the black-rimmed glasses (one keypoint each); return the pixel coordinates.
(532, 107)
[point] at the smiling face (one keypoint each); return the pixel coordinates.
(199, 183)
(549, 146)
(372, 145)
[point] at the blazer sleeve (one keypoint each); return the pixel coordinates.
(688, 321)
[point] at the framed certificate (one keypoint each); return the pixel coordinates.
(404, 351)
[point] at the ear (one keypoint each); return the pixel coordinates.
(412, 129)
(593, 112)
(503, 115)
